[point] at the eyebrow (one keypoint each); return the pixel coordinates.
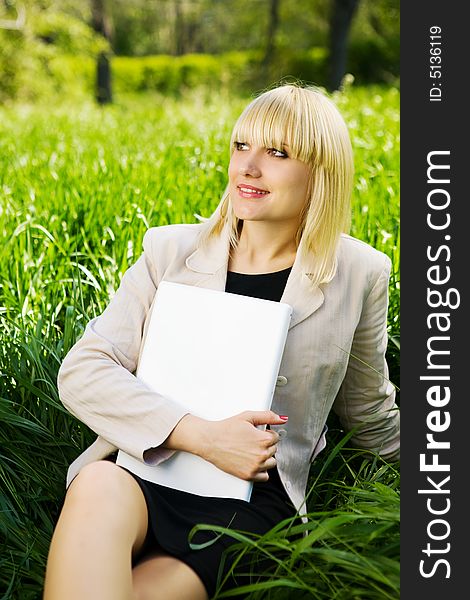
(239, 141)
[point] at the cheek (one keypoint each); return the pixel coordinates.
(301, 185)
(298, 186)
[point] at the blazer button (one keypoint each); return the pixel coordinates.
(281, 380)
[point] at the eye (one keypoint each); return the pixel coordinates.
(277, 153)
(241, 146)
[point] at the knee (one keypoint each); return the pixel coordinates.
(99, 479)
(105, 498)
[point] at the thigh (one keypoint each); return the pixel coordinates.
(102, 523)
(105, 493)
(160, 575)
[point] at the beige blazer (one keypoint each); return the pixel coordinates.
(334, 357)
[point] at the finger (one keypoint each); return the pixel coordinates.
(270, 463)
(265, 417)
(274, 439)
(271, 451)
(262, 476)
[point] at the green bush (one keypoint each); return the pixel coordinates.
(309, 66)
(74, 74)
(73, 77)
(23, 66)
(175, 74)
(33, 64)
(39, 71)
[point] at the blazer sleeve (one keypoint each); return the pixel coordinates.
(366, 399)
(96, 381)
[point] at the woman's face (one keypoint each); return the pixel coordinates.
(265, 184)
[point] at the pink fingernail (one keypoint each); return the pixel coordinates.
(285, 417)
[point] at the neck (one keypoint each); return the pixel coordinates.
(264, 247)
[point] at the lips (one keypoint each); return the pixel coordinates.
(249, 191)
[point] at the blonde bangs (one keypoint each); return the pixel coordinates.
(275, 120)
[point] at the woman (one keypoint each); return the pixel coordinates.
(279, 232)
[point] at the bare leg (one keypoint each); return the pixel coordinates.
(103, 523)
(162, 576)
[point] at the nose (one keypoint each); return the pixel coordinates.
(250, 166)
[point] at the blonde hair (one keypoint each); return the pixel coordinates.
(308, 122)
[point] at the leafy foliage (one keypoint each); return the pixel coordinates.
(27, 53)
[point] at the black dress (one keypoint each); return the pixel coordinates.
(172, 513)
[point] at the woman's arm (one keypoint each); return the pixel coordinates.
(96, 381)
(366, 399)
(236, 444)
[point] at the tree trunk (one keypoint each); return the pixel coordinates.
(100, 24)
(340, 24)
(272, 30)
(180, 30)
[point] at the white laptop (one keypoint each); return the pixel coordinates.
(218, 354)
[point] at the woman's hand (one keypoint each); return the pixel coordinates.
(234, 445)
(238, 447)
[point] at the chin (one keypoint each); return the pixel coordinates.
(246, 212)
(247, 216)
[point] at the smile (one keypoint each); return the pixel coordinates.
(251, 192)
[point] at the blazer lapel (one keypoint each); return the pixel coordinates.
(211, 263)
(301, 294)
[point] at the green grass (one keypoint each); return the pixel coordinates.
(79, 185)
(348, 549)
